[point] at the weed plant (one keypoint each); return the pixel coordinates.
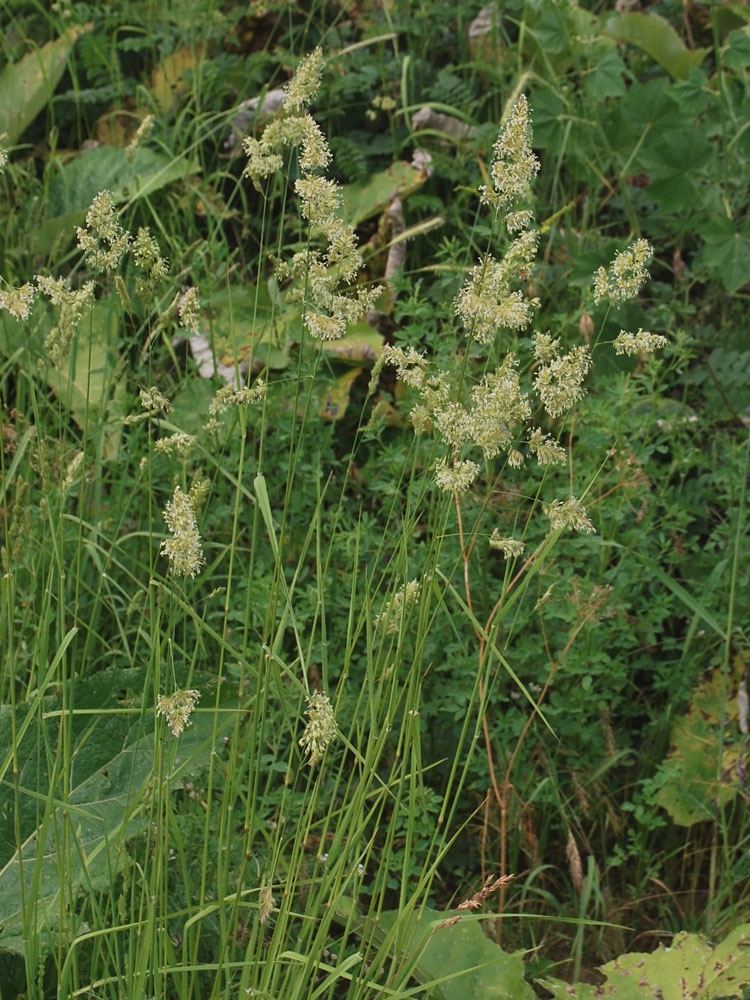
(298, 659)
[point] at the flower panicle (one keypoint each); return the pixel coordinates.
(17, 301)
(103, 240)
(321, 729)
(390, 618)
(642, 342)
(321, 278)
(625, 276)
(514, 165)
(177, 709)
(183, 549)
(568, 514)
(228, 396)
(71, 303)
(304, 85)
(511, 548)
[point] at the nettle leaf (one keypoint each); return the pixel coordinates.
(640, 119)
(656, 37)
(674, 166)
(691, 790)
(547, 111)
(726, 252)
(79, 844)
(693, 95)
(606, 77)
(736, 56)
(169, 81)
(332, 394)
(689, 967)
(28, 85)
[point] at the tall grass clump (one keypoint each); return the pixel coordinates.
(220, 647)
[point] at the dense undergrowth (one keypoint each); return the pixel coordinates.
(353, 557)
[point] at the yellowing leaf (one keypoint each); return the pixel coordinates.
(691, 789)
(690, 967)
(361, 343)
(333, 395)
(168, 81)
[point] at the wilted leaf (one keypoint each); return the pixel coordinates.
(246, 328)
(690, 789)
(26, 86)
(361, 343)
(657, 38)
(168, 81)
(333, 394)
(674, 166)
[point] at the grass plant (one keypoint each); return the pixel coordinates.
(361, 547)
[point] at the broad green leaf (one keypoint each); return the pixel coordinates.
(726, 252)
(75, 186)
(689, 967)
(691, 790)
(26, 86)
(547, 112)
(113, 765)
(460, 960)
(371, 197)
(657, 38)
(91, 387)
(558, 31)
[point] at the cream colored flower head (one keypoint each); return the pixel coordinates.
(302, 88)
(104, 241)
(177, 709)
(183, 549)
(189, 310)
(17, 301)
(514, 165)
(321, 729)
(568, 514)
(511, 548)
(626, 274)
(390, 618)
(642, 342)
(457, 477)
